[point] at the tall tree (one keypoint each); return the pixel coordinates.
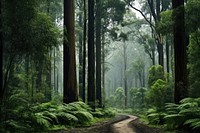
(180, 55)
(91, 60)
(70, 83)
(1, 54)
(80, 40)
(84, 49)
(98, 52)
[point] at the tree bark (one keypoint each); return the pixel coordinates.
(180, 54)
(125, 77)
(81, 57)
(70, 83)
(1, 55)
(84, 50)
(91, 60)
(167, 56)
(98, 53)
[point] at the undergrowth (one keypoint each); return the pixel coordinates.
(19, 116)
(182, 117)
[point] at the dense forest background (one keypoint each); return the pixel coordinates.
(70, 62)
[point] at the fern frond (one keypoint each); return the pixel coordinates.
(194, 123)
(187, 100)
(83, 116)
(42, 120)
(190, 112)
(50, 115)
(67, 116)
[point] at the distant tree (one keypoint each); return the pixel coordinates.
(124, 38)
(180, 55)
(70, 83)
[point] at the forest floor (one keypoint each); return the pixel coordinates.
(119, 124)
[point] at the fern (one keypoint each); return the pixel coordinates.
(50, 115)
(174, 120)
(83, 116)
(42, 121)
(194, 123)
(66, 118)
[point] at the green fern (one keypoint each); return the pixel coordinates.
(194, 123)
(42, 121)
(66, 118)
(83, 116)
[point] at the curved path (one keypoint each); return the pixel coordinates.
(124, 126)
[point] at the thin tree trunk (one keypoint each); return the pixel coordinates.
(39, 69)
(125, 77)
(91, 60)
(181, 82)
(167, 56)
(70, 84)
(84, 50)
(80, 59)
(103, 66)
(98, 53)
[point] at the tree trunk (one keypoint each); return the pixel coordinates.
(167, 56)
(91, 60)
(160, 51)
(180, 54)
(84, 50)
(70, 83)
(39, 70)
(1, 55)
(103, 67)
(81, 58)
(98, 53)
(125, 77)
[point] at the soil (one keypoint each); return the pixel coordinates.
(119, 124)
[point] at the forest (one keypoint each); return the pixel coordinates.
(87, 66)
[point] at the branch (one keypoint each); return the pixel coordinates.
(142, 15)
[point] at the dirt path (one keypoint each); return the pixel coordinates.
(119, 124)
(124, 126)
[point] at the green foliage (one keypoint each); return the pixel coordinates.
(21, 116)
(154, 116)
(165, 25)
(185, 115)
(118, 99)
(194, 64)
(192, 15)
(159, 94)
(155, 72)
(136, 98)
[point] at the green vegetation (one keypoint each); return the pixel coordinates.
(21, 116)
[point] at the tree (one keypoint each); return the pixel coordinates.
(124, 38)
(1, 55)
(70, 84)
(156, 7)
(84, 49)
(98, 52)
(91, 60)
(180, 55)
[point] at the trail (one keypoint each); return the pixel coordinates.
(124, 126)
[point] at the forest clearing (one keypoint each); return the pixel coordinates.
(99, 66)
